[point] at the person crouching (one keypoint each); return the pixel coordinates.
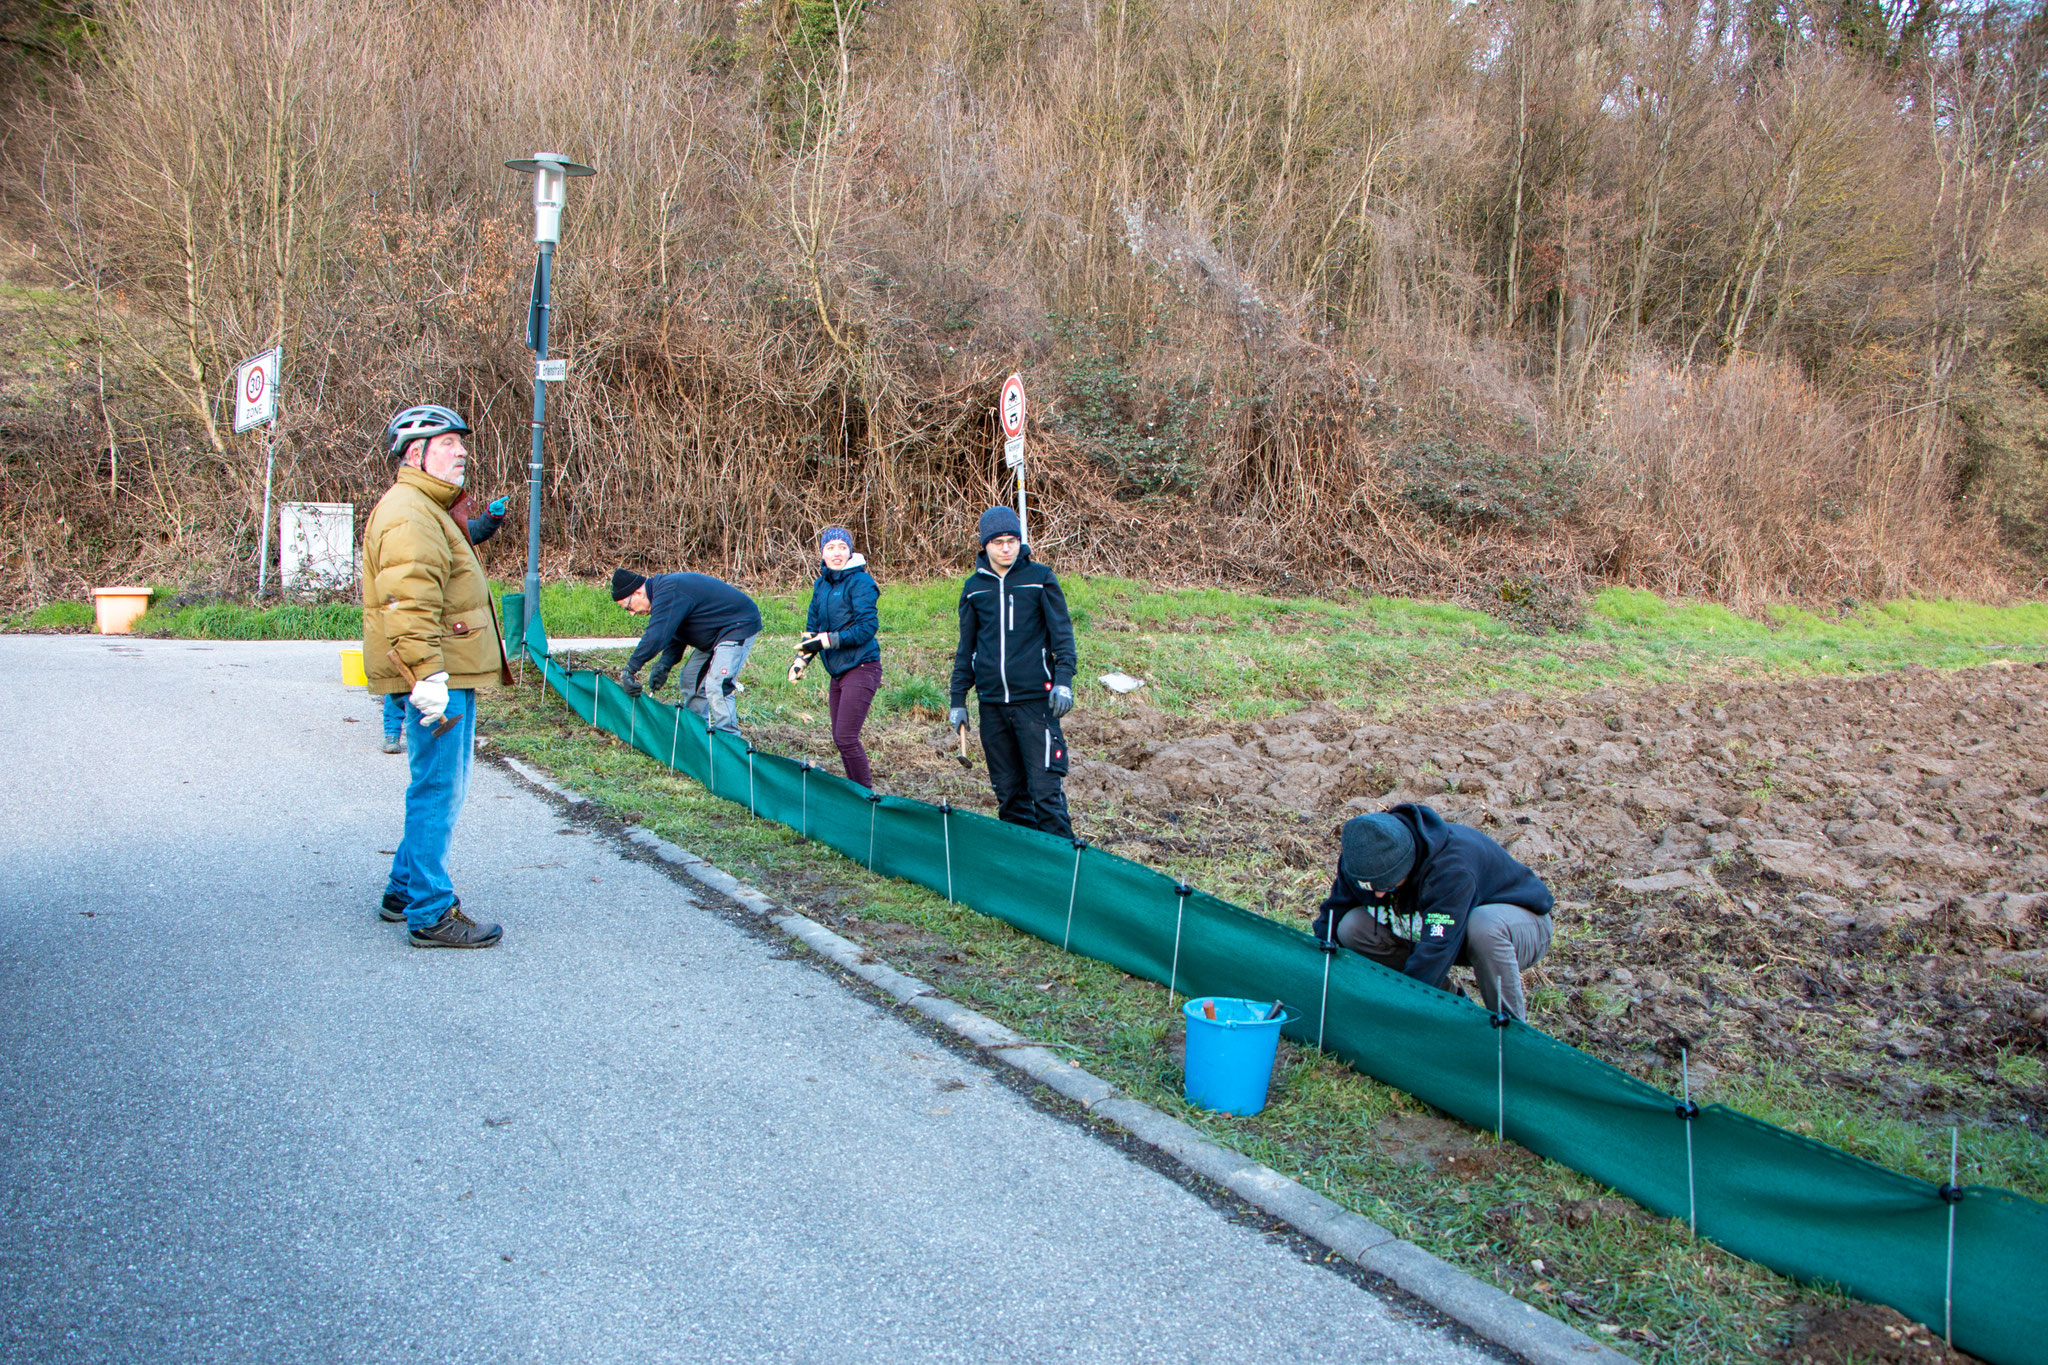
(1418, 893)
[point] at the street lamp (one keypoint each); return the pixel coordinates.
(551, 175)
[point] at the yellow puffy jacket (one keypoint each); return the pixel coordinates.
(425, 594)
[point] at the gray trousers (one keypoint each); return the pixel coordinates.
(1501, 942)
(707, 681)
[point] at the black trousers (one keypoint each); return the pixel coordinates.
(1027, 758)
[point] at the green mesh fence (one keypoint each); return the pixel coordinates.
(1974, 1258)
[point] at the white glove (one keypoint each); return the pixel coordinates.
(430, 695)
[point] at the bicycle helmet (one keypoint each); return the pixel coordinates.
(425, 421)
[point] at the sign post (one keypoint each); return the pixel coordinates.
(1011, 412)
(256, 406)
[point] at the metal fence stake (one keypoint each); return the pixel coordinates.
(1072, 888)
(946, 821)
(1688, 1111)
(1952, 1196)
(1181, 890)
(1500, 1020)
(675, 739)
(874, 808)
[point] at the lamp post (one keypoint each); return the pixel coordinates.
(551, 174)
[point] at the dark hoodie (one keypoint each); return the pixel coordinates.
(1016, 639)
(1456, 869)
(843, 601)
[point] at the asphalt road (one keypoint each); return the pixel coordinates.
(241, 1120)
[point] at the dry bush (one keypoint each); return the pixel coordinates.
(1741, 484)
(1250, 254)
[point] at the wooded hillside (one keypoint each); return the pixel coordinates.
(1733, 300)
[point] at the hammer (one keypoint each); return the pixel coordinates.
(965, 761)
(447, 722)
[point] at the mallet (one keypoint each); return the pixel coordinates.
(447, 722)
(965, 761)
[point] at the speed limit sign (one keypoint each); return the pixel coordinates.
(256, 389)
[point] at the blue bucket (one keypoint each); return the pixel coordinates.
(1230, 1057)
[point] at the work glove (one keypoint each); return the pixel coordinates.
(497, 507)
(957, 717)
(657, 678)
(630, 684)
(796, 668)
(430, 696)
(810, 643)
(1061, 701)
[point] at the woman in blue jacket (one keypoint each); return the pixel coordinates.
(840, 630)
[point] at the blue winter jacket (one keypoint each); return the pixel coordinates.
(1456, 868)
(843, 602)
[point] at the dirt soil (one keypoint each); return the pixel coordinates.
(1841, 880)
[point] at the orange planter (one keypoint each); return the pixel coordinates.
(115, 609)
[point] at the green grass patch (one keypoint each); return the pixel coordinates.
(236, 621)
(61, 616)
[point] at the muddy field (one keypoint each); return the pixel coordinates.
(1836, 883)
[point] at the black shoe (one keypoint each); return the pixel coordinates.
(456, 930)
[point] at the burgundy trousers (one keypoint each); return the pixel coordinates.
(853, 692)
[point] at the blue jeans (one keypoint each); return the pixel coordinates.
(394, 713)
(440, 780)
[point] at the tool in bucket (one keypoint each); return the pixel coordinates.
(447, 722)
(1231, 1048)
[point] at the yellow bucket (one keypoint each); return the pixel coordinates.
(352, 674)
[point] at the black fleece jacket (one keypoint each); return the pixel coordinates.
(1016, 639)
(692, 611)
(1456, 868)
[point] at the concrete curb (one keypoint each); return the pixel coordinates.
(1490, 1312)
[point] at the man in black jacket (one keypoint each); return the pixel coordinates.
(1417, 893)
(1016, 651)
(696, 612)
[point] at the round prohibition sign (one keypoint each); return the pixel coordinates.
(1012, 406)
(255, 384)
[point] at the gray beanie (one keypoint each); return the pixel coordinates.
(1000, 521)
(1379, 850)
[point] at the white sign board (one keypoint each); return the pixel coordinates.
(316, 546)
(553, 371)
(1011, 411)
(256, 389)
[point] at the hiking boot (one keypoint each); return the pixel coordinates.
(392, 746)
(456, 930)
(394, 909)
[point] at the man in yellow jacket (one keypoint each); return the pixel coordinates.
(430, 632)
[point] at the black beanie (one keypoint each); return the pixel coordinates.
(1000, 521)
(624, 584)
(1379, 850)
